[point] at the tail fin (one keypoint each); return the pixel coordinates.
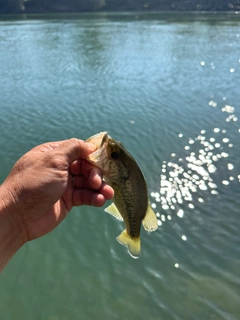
(133, 244)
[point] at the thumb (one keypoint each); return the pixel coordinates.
(75, 149)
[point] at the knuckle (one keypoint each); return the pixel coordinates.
(56, 161)
(74, 141)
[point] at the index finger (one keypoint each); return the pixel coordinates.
(92, 175)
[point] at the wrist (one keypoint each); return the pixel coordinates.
(12, 230)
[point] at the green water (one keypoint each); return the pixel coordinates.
(167, 87)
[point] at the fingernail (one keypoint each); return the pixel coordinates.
(91, 146)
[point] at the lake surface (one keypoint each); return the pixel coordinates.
(168, 87)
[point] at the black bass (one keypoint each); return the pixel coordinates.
(130, 202)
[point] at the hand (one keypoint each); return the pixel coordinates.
(48, 181)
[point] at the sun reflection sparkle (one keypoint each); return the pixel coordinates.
(183, 177)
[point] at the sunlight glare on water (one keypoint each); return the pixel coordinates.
(195, 170)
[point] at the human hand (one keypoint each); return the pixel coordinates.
(48, 181)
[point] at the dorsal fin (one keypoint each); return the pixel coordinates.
(150, 222)
(112, 209)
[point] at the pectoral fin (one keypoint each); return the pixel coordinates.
(112, 209)
(150, 222)
(133, 244)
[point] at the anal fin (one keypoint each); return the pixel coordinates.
(150, 222)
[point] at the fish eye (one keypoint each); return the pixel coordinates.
(114, 155)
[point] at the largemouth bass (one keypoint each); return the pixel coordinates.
(130, 202)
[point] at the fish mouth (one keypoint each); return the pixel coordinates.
(99, 140)
(104, 139)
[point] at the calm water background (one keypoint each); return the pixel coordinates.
(166, 86)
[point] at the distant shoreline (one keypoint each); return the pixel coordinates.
(79, 6)
(119, 11)
(126, 12)
(49, 7)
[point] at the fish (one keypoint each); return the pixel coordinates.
(130, 202)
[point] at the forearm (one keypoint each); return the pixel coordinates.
(11, 229)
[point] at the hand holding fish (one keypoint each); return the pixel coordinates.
(41, 189)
